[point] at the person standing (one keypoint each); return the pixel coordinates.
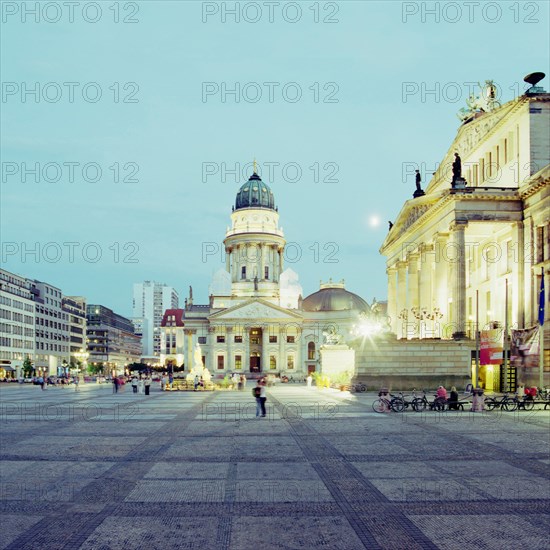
(147, 384)
(115, 384)
(76, 382)
(309, 380)
(41, 382)
(196, 382)
(141, 386)
(162, 382)
(134, 384)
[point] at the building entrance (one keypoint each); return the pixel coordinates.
(255, 364)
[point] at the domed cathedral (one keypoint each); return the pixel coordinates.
(256, 320)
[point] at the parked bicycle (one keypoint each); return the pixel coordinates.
(358, 388)
(388, 402)
(506, 403)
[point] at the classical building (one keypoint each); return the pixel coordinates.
(150, 301)
(256, 320)
(17, 324)
(112, 342)
(481, 226)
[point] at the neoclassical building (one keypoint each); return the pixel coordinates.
(256, 320)
(475, 232)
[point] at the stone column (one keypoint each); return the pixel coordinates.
(210, 360)
(425, 288)
(281, 360)
(229, 364)
(402, 297)
(298, 367)
(458, 265)
(392, 297)
(440, 300)
(518, 275)
(227, 259)
(413, 328)
(246, 342)
(265, 342)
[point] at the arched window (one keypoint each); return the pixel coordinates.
(311, 351)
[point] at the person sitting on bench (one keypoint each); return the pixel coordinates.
(453, 400)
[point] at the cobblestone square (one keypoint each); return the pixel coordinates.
(93, 470)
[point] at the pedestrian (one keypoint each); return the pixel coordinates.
(453, 399)
(76, 382)
(162, 382)
(147, 384)
(171, 380)
(115, 384)
(41, 382)
(196, 382)
(259, 394)
(134, 384)
(309, 380)
(141, 386)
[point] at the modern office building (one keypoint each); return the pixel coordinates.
(150, 301)
(17, 324)
(112, 342)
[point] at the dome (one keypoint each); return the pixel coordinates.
(255, 194)
(334, 298)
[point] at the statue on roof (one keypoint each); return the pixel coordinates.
(418, 179)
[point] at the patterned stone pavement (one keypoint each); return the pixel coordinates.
(94, 470)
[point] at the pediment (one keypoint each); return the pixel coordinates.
(411, 212)
(255, 309)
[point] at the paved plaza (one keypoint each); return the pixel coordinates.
(97, 470)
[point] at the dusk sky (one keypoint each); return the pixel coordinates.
(380, 85)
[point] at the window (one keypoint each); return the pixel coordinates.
(220, 339)
(238, 362)
(238, 340)
(255, 336)
(273, 339)
(272, 362)
(220, 362)
(290, 362)
(311, 351)
(290, 339)
(202, 339)
(243, 272)
(266, 272)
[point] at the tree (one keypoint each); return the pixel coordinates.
(95, 368)
(28, 367)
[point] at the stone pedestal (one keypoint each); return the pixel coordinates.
(337, 359)
(458, 183)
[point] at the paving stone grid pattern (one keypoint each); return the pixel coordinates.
(97, 470)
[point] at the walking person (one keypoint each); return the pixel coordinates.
(134, 384)
(196, 382)
(309, 380)
(41, 382)
(141, 386)
(147, 384)
(115, 384)
(76, 382)
(259, 394)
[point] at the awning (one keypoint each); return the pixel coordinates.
(7, 367)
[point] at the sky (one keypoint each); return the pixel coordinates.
(123, 124)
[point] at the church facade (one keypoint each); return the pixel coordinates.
(256, 320)
(476, 243)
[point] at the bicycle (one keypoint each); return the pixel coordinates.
(506, 402)
(358, 388)
(420, 403)
(383, 404)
